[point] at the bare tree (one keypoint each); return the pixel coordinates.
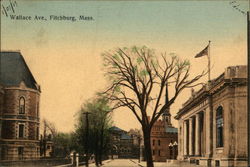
(139, 79)
(49, 132)
(50, 126)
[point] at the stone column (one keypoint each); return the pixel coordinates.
(185, 137)
(197, 135)
(191, 132)
(209, 129)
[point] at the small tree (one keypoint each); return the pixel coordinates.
(99, 123)
(138, 81)
(64, 143)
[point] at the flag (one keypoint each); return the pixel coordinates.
(203, 52)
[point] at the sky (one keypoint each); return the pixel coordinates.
(64, 56)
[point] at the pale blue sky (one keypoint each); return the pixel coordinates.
(64, 56)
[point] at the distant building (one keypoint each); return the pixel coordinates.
(47, 146)
(19, 109)
(164, 139)
(122, 144)
(213, 122)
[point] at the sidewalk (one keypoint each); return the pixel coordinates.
(165, 164)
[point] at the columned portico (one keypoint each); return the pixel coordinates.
(185, 137)
(191, 132)
(197, 134)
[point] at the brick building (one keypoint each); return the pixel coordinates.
(164, 139)
(19, 109)
(213, 122)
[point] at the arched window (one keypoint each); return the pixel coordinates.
(21, 105)
(219, 127)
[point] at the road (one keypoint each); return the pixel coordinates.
(119, 163)
(134, 163)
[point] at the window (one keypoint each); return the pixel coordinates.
(217, 163)
(159, 142)
(153, 152)
(21, 131)
(37, 133)
(21, 105)
(0, 128)
(37, 110)
(153, 142)
(159, 152)
(20, 153)
(219, 127)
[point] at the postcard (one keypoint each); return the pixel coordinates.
(124, 83)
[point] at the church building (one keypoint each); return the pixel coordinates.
(213, 122)
(19, 109)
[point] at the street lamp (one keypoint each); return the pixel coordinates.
(170, 149)
(175, 149)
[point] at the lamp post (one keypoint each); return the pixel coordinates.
(170, 146)
(175, 150)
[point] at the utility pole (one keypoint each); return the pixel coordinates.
(87, 136)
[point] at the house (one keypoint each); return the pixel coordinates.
(213, 121)
(19, 109)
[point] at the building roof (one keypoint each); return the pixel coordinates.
(171, 130)
(232, 75)
(125, 137)
(114, 128)
(14, 70)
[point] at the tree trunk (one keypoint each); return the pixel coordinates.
(101, 145)
(96, 159)
(147, 146)
(96, 148)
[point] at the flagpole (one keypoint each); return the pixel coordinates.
(209, 64)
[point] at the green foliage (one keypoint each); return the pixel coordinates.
(99, 122)
(139, 60)
(143, 72)
(64, 143)
(117, 89)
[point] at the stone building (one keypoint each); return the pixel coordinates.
(213, 122)
(164, 139)
(122, 145)
(19, 109)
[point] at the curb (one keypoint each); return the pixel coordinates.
(136, 163)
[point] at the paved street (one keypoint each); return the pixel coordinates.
(119, 163)
(134, 163)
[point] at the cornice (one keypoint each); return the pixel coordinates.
(206, 91)
(24, 89)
